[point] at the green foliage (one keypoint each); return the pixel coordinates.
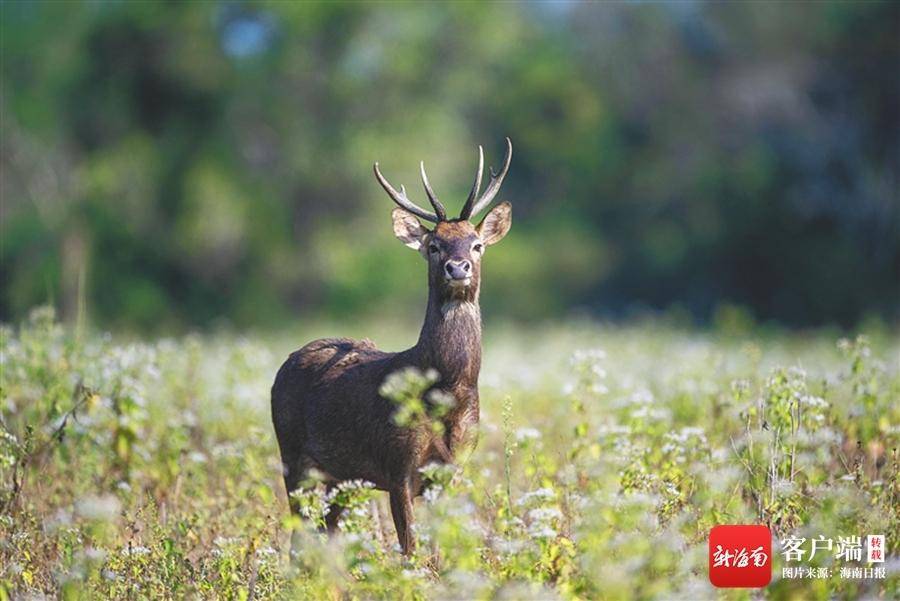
(150, 470)
(179, 164)
(416, 405)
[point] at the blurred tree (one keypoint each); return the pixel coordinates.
(179, 164)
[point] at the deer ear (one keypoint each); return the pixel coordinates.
(408, 229)
(495, 224)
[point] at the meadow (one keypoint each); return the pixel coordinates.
(149, 469)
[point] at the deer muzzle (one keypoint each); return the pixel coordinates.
(458, 272)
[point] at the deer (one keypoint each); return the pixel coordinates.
(328, 414)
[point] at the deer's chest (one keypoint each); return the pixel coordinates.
(462, 419)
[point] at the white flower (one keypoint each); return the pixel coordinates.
(588, 355)
(523, 434)
(797, 372)
(541, 494)
(94, 554)
(432, 493)
(223, 541)
(538, 530)
(58, 520)
(508, 547)
(197, 457)
(99, 508)
(544, 514)
(813, 401)
(650, 413)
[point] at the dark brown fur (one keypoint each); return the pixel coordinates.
(326, 408)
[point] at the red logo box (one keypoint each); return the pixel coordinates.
(740, 556)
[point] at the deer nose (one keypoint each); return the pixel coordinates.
(458, 269)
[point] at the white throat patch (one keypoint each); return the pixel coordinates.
(457, 308)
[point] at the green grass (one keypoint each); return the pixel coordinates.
(150, 470)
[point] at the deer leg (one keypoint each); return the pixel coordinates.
(333, 515)
(295, 470)
(376, 517)
(402, 512)
(291, 478)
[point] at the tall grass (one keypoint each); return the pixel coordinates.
(150, 470)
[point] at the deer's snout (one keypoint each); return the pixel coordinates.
(458, 269)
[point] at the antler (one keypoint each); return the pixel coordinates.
(472, 206)
(438, 207)
(404, 202)
(467, 208)
(493, 187)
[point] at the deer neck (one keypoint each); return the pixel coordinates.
(450, 341)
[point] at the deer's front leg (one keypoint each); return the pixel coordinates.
(402, 512)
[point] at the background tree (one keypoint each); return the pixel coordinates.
(172, 165)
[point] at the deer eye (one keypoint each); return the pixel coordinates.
(478, 247)
(433, 248)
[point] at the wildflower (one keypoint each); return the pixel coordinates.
(544, 514)
(813, 401)
(541, 494)
(588, 355)
(99, 508)
(93, 554)
(222, 541)
(197, 457)
(59, 519)
(613, 429)
(508, 546)
(650, 413)
(443, 401)
(797, 373)
(523, 434)
(598, 388)
(740, 387)
(407, 381)
(438, 473)
(541, 531)
(432, 493)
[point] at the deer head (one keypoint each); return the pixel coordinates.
(454, 247)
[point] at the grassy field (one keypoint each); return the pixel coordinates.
(150, 469)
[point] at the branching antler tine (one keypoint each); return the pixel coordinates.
(401, 199)
(496, 180)
(438, 207)
(476, 187)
